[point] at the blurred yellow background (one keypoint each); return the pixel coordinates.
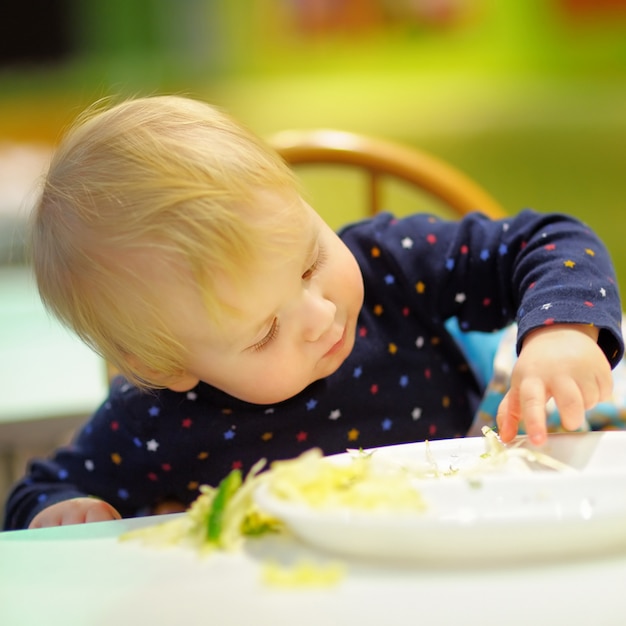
(528, 98)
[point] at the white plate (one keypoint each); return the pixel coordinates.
(539, 515)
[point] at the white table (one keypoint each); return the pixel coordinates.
(83, 576)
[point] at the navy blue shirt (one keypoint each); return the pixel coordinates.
(405, 380)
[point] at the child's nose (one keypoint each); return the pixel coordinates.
(319, 315)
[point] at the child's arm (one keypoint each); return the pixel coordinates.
(107, 459)
(75, 511)
(563, 362)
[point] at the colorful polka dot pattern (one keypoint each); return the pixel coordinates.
(406, 379)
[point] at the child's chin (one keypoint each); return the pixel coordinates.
(332, 366)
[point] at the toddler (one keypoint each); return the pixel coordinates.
(178, 246)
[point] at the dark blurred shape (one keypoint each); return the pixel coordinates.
(34, 32)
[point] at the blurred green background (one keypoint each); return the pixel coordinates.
(526, 96)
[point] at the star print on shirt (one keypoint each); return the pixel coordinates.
(152, 445)
(569, 263)
(199, 421)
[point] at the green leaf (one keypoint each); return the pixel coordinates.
(225, 491)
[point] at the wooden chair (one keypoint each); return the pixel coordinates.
(381, 159)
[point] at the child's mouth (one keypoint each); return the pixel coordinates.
(336, 347)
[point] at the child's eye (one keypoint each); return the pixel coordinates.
(273, 331)
(321, 259)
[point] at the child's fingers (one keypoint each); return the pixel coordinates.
(75, 511)
(605, 386)
(532, 403)
(507, 419)
(570, 401)
(101, 513)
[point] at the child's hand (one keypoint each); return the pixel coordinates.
(562, 362)
(75, 511)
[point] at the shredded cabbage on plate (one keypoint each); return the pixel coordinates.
(222, 517)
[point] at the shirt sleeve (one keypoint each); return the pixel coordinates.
(95, 463)
(533, 268)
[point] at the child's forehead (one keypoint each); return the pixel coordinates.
(282, 225)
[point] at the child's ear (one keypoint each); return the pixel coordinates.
(184, 381)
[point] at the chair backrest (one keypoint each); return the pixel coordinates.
(381, 159)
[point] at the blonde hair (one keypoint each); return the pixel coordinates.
(161, 175)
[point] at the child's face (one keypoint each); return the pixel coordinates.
(297, 322)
